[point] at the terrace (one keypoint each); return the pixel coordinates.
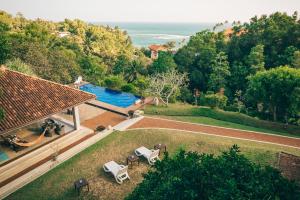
(28, 143)
(27, 101)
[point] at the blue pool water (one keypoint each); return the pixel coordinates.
(116, 98)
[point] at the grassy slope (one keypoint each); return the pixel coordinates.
(204, 115)
(58, 183)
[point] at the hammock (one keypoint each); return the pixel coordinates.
(29, 144)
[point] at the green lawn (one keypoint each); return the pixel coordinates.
(204, 115)
(58, 183)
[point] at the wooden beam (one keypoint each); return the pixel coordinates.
(76, 118)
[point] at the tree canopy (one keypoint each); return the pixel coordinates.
(190, 175)
(212, 59)
(277, 89)
(85, 49)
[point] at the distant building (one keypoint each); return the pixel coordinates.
(230, 32)
(155, 49)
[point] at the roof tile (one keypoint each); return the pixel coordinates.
(26, 99)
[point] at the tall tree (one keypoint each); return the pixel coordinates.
(256, 59)
(296, 60)
(220, 72)
(93, 69)
(164, 85)
(276, 32)
(273, 88)
(164, 63)
(63, 66)
(198, 56)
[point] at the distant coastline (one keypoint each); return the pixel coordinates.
(145, 34)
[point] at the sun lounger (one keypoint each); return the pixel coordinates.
(119, 171)
(150, 155)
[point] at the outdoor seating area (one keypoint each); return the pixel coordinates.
(120, 172)
(28, 138)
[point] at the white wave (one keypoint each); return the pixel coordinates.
(162, 36)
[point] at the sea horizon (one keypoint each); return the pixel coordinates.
(144, 34)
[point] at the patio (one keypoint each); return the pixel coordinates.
(31, 133)
(27, 102)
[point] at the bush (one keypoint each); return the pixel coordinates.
(186, 95)
(17, 64)
(129, 88)
(190, 175)
(216, 100)
(113, 82)
(141, 84)
(231, 108)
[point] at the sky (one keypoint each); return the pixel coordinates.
(148, 10)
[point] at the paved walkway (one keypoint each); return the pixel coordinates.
(149, 122)
(105, 119)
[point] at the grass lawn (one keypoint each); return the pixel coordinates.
(58, 183)
(204, 115)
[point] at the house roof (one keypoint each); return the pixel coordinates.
(229, 32)
(156, 47)
(26, 99)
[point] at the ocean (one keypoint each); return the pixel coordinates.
(145, 34)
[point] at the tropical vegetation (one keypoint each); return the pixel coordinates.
(252, 70)
(190, 175)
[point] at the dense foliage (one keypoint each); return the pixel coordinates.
(216, 100)
(213, 61)
(216, 60)
(62, 51)
(189, 175)
(278, 90)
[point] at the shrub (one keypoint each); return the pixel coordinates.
(186, 95)
(231, 108)
(113, 82)
(18, 65)
(190, 175)
(216, 100)
(141, 84)
(129, 88)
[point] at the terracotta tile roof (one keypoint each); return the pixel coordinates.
(26, 99)
(229, 32)
(155, 47)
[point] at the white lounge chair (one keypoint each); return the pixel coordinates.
(150, 155)
(119, 171)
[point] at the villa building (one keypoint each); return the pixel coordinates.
(155, 49)
(230, 32)
(27, 101)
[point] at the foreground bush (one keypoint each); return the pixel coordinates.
(189, 175)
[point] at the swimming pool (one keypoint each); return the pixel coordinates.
(113, 97)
